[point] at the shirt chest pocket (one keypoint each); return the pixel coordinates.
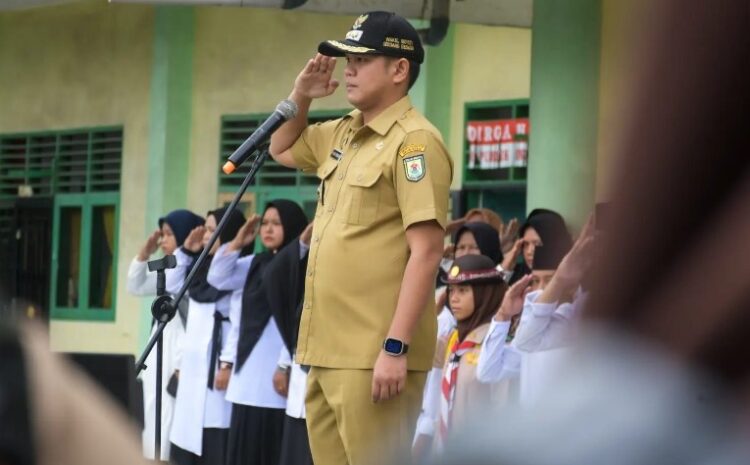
(362, 195)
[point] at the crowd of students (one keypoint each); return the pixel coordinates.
(506, 295)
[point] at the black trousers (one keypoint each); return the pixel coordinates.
(214, 449)
(295, 446)
(255, 435)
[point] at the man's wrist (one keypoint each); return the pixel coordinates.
(395, 347)
(300, 97)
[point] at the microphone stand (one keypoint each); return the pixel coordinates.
(164, 306)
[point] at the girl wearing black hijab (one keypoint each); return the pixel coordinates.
(202, 414)
(255, 341)
(541, 226)
(173, 230)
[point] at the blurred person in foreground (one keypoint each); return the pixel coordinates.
(660, 373)
(52, 414)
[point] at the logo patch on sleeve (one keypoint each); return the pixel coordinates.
(415, 168)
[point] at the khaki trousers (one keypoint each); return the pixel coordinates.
(347, 428)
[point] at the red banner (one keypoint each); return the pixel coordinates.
(498, 144)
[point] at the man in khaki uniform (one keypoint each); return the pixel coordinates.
(368, 325)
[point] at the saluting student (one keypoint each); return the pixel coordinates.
(173, 230)
(499, 358)
(255, 342)
(202, 414)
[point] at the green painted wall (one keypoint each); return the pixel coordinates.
(438, 77)
(81, 65)
(564, 106)
(170, 116)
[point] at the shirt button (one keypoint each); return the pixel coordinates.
(316, 239)
(359, 177)
(355, 145)
(307, 305)
(330, 209)
(341, 176)
(310, 273)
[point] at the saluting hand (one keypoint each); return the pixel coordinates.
(194, 241)
(513, 300)
(316, 78)
(245, 235)
(575, 264)
(148, 249)
(388, 377)
(508, 234)
(509, 260)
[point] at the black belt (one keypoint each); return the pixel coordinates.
(215, 346)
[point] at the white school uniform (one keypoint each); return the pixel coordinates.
(198, 407)
(253, 384)
(142, 283)
(542, 336)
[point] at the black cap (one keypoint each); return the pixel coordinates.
(473, 269)
(378, 33)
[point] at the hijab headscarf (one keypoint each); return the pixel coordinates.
(551, 228)
(181, 222)
(256, 310)
(486, 237)
(200, 290)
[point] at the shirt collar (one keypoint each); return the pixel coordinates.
(383, 122)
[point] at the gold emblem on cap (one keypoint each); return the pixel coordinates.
(455, 271)
(359, 21)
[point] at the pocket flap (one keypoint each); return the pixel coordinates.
(365, 177)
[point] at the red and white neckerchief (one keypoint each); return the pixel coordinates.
(455, 351)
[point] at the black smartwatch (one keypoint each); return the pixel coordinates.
(394, 347)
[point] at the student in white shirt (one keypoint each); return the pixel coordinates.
(549, 307)
(173, 230)
(254, 343)
(202, 414)
(549, 323)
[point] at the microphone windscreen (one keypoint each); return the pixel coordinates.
(287, 108)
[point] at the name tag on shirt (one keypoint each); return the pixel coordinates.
(336, 154)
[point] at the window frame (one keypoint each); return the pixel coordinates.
(87, 202)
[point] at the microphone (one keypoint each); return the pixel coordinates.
(285, 110)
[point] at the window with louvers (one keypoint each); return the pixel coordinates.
(234, 131)
(61, 162)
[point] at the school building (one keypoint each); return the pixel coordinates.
(115, 113)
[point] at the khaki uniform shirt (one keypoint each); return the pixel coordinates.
(376, 181)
